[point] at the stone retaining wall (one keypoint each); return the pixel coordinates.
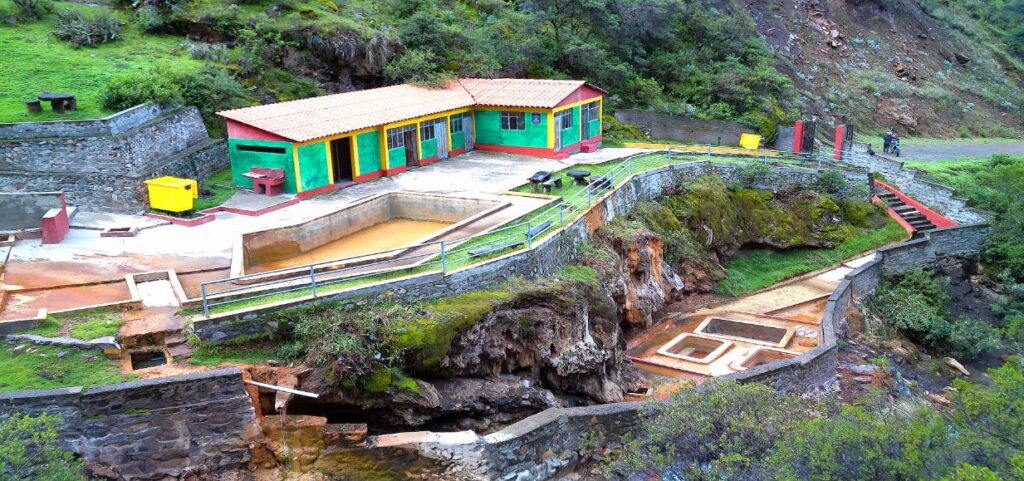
(685, 129)
(912, 183)
(164, 427)
(106, 171)
(110, 125)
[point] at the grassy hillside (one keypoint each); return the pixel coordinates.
(34, 60)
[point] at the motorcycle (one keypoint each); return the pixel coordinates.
(894, 148)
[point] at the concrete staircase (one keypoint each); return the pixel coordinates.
(916, 219)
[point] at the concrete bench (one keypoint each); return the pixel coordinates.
(55, 225)
(266, 181)
(556, 183)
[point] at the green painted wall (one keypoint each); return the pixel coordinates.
(428, 148)
(242, 161)
(458, 139)
(396, 157)
(594, 128)
(572, 134)
(488, 130)
(313, 165)
(368, 145)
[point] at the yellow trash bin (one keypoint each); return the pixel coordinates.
(172, 194)
(750, 141)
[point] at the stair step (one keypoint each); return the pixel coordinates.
(915, 218)
(904, 208)
(887, 195)
(921, 229)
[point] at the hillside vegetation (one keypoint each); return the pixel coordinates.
(922, 67)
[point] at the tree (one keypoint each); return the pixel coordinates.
(30, 448)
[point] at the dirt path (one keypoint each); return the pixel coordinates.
(927, 151)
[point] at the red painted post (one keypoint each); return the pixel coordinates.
(798, 137)
(840, 135)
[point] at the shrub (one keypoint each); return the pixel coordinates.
(31, 10)
(150, 19)
(416, 66)
(128, 90)
(753, 175)
(80, 29)
(970, 339)
(831, 182)
(30, 448)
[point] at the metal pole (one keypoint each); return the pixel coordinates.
(630, 162)
(529, 238)
(589, 201)
(206, 307)
(443, 263)
(709, 151)
(561, 214)
(312, 279)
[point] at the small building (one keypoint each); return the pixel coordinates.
(322, 143)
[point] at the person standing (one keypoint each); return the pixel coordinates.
(887, 141)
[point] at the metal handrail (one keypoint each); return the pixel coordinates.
(577, 202)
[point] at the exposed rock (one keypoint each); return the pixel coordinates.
(643, 282)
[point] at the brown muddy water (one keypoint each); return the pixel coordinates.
(390, 234)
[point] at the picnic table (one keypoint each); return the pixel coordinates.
(58, 101)
(539, 178)
(579, 176)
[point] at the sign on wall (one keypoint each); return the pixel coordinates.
(535, 118)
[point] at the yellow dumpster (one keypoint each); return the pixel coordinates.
(750, 141)
(172, 194)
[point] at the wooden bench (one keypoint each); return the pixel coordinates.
(556, 183)
(266, 181)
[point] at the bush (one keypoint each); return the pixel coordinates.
(30, 448)
(416, 66)
(150, 19)
(831, 182)
(80, 29)
(128, 90)
(753, 175)
(970, 339)
(31, 10)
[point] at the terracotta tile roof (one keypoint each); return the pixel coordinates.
(520, 92)
(316, 117)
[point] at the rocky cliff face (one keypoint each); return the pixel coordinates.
(553, 344)
(640, 280)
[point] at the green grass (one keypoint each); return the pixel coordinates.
(43, 370)
(760, 269)
(955, 173)
(221, 188)
(955, 141)
(34, 60)
(217, 354)
(84, 325)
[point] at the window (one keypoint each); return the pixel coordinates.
(427, 130)
(396, 136)
(593, 110)
(261, 148)
(513, 121)
(457, 123)
(564, 119)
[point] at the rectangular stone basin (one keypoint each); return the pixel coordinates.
(759, 356)
(694, 348)
(387, 222)
(746, 331)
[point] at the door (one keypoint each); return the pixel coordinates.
(341, 159)
(409, 138)
(467, 130)
(441, 134)
(585, 122)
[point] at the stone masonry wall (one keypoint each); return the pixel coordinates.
(684, 129)
(168, 427)
(106, 172)
(909, 181)
(110, 125)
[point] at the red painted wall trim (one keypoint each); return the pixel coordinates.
(585, 92)
(934, 217)
(459, 151)
(593, 140)
(888, 210)
(370, 176)
(317, 191)
(531, 151)
(427, 161)
(798, 136)
(238, 130)
(396, 170)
